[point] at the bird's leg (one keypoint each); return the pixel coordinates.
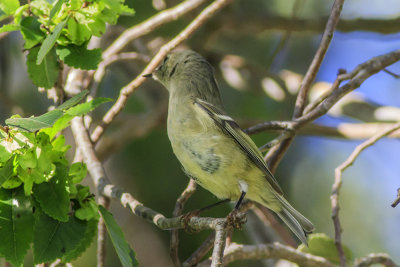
(234, 218)
(237, 206)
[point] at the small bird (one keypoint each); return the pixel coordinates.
(211, 147)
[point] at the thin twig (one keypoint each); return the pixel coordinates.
(151, 24)
(322, 97)
(101, 70)
(392, 73)
(397, 200)
(275, 155)
(375, 258)
(318, 57)
(201, 251)
(205, 15)
(180, 203)
(270, 251)
(219, 245)
(101, 234)
(338, 183)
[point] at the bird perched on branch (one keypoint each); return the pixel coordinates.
(211, 147)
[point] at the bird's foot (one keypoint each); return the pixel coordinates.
(186, 219)
(236, 219)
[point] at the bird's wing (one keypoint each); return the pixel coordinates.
(229, 126)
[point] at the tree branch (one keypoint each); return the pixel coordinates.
(219, 245)
(338, 183)
(276, 153)
(180, 203)
(375, 258)
(150, 25)
(397, 200)
(200, 251)
(205, 15)
(270, 251)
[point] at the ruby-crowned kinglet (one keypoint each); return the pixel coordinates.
(211, 147)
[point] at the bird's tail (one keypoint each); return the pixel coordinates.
(299, 224)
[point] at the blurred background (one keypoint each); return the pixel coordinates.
(260, 50)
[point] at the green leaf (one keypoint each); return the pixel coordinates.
(77, 172)
(124, 251)
(9, 6)
(9, 28)
(49, 42)
(58, 126)
(54, 239)
(55, 9)
(79, 56)
(320, 244)
(78, 33)
(30, 30)
(84, 108)
(33, 124)
(16, 225)
(46, 74)
(4, 153)
(53, 196)
(73, 100)
(6, 172)
(86, 240)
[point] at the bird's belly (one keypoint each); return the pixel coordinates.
(215, 162)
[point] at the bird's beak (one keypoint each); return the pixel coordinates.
(149, 75)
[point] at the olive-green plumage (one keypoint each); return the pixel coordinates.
(210, 145)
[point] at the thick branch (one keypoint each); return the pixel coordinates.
(338, 183)
(205, 15)
(270, 251)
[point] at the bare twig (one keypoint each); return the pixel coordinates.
(205, 15)
(338, 183)
(180, 203)
(276, 153)
(318, 57)
(375, 258)
(101, 234)
(392, 73)
(219, 245)
(270, 251)
(101, 70)
(322, 97)
(201, 251)
(151, 24)
(397, 200)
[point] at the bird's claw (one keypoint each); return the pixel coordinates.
(236, 219)
(186, 219)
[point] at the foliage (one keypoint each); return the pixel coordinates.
(124, 251)
(41, 200)
(59, 32)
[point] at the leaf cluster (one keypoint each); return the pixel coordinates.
(60, 31)
(41, 200)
